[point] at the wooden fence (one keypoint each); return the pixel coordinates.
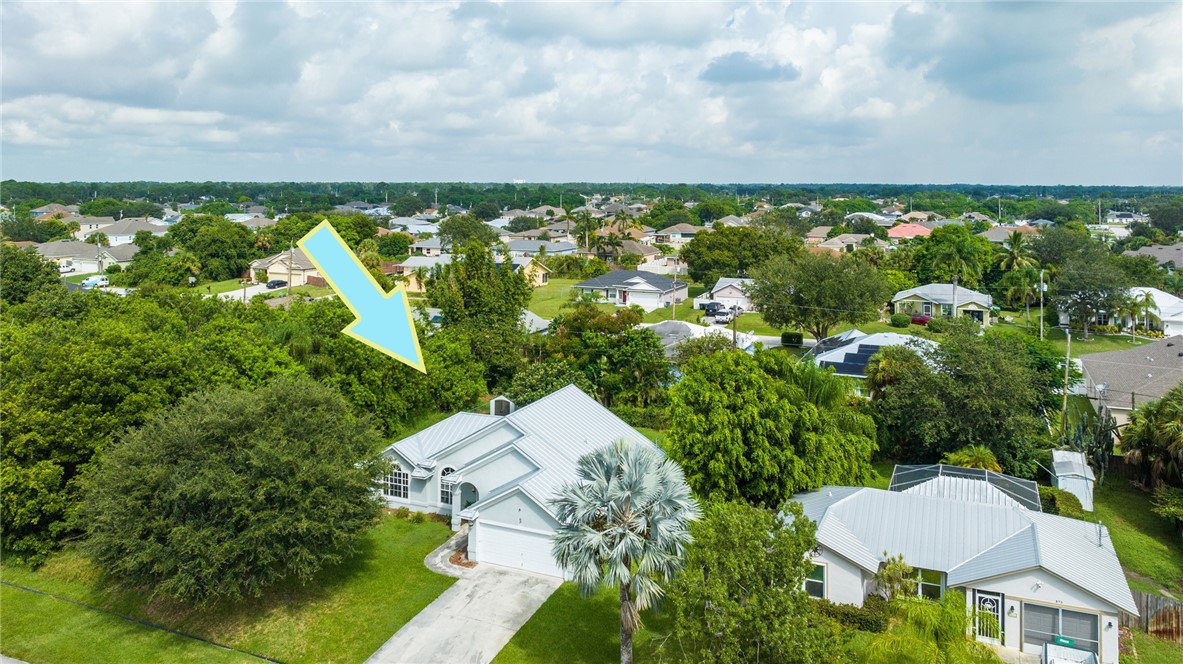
(1158, 615)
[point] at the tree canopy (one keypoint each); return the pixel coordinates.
(731, 251)
(816, 291)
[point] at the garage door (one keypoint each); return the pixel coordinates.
(515, 548)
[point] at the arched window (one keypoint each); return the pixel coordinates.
(397, 482)
(446, 489)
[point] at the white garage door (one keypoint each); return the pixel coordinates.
(515, 548)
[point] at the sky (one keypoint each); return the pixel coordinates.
(991, 93)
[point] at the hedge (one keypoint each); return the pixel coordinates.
(870, 617)
(1059, 501)
(792, 339)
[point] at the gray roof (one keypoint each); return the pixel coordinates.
(78, 249)
(850, 356)
(1172, 253)
(724, 282)
(1146, 372)
(943, 294)
(1068, 463)
(536, 245)
(133, 225)
(554, 432)
(413, 262)
(429, 243)
(967, 540)
(628, 279)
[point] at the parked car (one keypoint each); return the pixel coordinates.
(736, 310)
(276, 283)
(920, 319)
(723, 316)
(65, 269)
(95, 281)
(713, 307)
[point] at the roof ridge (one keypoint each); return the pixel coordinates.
(1029, 528)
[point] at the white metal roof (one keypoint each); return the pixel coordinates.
(1066, 463)
(943, 294)
(967, 540)
(960, 488)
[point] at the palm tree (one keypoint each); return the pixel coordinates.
(1016, 253)
(1131, 308)
(928, 631)
(1019, 285)
(961, 262)
(1154, 438)
(973, 456)
(1146, 304)
(1173, 283)
(625, 524)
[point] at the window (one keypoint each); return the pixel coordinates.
(397, 482)
(446, 489)
(946, 310)
(815, 583)
(1042, 624)
(928, 584)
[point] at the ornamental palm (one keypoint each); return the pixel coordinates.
(932, 632)
(1016, 253)
(625, 524)
(1154, 437)
(973, 456)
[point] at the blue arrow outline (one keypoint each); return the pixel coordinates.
(385, 325)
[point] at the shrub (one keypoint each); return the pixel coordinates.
(114, 269)
(650, 417)
(792, 339)
(900, 320)
(870, 617)
(939, 324)
(418, 517)
(1059, 501)
(402, 512)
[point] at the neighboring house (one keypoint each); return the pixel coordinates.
(818, 235)
(536, 247)
(975, 216)
(410, 268)
(664, 265)
(728, 291)
(256, 223)
(1073, 474)
(908, 231)
(84, 257)
(848, 242)
(536, 273)
(54, 208)
(558, 232)
(940, 223)
(428, 247)
(647, 252)
(731, 221)
(124, 231)
(678, 235)
(1120, 380)
(240, 217)
(1000, 234)
(497, 473)
(673, 332)
(919, 215)
(90, 225)
(879, 219)
(302, 271)
(1167, 313)
(850, 353)
(1167, 255)
(1112, 217)
(548, 211)
(635, 287)
(1038, 576)
(942, 300)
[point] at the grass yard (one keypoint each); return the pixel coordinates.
(223, 286)
(1145, 542)
(883, 478)
(1153, 650)
(548, 300)
(343, 615)
(78, 278)
(572, 629)
(312, 291)
(1096, 343)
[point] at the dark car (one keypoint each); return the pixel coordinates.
(920, 319)
(276, 283)
(713, 307)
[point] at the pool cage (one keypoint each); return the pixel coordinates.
(1024, 492)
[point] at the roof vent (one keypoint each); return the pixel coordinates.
(500, 406)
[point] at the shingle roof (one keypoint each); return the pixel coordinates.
(536, 245)
(681, 228)
(943, 294)
(628, 279)
(967, 540)
(133, 225)
(1162, 253)
(1146, 372)
(724, 282)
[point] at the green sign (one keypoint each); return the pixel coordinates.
(1064, 641)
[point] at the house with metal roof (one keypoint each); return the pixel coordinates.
(1041, 578)
(1072, 473)
(635, 287)
(943, 300)
(497, 473)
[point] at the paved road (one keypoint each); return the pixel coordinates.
(471, 621)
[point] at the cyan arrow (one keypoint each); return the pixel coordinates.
(383, 319)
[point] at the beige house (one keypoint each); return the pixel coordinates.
(292, 266)
(942, 300)
(536, 273)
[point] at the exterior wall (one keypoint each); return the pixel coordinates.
(646, 300)
(536, 274)
(845, 581)
(1040, 587)
(458, 457)
(80, 265)
(517, 510)
(279, 270)
(1079, 487)
(915, 304)
(731, 296)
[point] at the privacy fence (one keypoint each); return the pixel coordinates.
(1157, 615)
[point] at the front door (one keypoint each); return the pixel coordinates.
(624, 297)
(989, 619)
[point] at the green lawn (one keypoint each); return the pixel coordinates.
(312, 291)
(572, 629)
(1096, 343)
(883, 478)
(548, 300)
(1145, 542)
(1152, 650)
(343, 615)
(78, 278)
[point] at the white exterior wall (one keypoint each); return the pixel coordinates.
(1079, 487)
(646, 300)
(492, 439)
(1172, 327)
(519, 511)
(845, 582)
(1051, 591)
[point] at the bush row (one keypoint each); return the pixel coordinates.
(870, 617)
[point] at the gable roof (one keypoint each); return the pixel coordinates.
(1162, 253)
(998, 234)
(133, 225)
(1166, 306)
(684, 229)
(1139, 374)
(908, 230)
(977, 540)
(943, 294)
(536, 245)
(631, 279)
(850, 356)
(738, 282)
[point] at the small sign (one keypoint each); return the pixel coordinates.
(1064, 641)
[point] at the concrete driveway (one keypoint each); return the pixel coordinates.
(251, 291)
(471, 621)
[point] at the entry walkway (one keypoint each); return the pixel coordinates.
(471, 621)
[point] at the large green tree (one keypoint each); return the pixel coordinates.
(1089, 284)
(625, 525)
(24, 272)
(762, 428)
(953, 251)
(230, 492)
(459, 230)
(816, 291)
(1167, 215)
(741, 596)
(732, 251)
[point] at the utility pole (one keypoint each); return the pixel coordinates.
(1067, 363)
(291, 257)
(1041, 305)
(734, 334)
(953, 313)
